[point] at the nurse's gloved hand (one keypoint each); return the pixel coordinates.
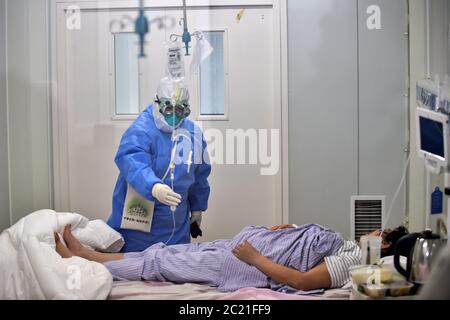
(164, 194)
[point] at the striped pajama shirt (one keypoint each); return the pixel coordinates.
(338, 265)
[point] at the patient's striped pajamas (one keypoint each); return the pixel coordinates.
(338, 266)
(214, 264)
(198, 263)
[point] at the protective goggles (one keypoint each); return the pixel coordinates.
(166, 108)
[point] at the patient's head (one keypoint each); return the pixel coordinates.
(389, 239)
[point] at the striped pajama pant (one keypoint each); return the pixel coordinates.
(196, 263)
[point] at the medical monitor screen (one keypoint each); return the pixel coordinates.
(432, 137)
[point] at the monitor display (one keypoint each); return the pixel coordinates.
(432, 137)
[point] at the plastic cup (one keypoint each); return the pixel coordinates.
(371, 250)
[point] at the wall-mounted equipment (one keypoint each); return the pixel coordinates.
(433, 145)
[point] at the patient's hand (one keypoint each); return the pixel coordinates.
(284, 226)
(247, 253)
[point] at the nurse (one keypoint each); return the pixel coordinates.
(164, 167)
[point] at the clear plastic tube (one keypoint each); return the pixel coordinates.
(173, 230)
(394, 199)
(397, 192)
(171, 168)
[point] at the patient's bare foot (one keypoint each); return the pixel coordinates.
(73, 244)
(62, 250)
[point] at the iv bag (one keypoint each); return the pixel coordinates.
(175, 63)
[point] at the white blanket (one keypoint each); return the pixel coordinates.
(30, 268)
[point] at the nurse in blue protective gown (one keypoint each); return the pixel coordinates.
(160, 150)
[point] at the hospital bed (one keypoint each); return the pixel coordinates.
(149, 290)
(30, 268)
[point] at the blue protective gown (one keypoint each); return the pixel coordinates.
(143, 158)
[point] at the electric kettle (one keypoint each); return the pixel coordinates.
(420, 249)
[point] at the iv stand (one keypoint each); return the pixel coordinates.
(186, 37)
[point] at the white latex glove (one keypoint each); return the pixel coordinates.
(164, 194)
(196, 216)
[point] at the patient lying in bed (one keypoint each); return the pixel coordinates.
(282, 258)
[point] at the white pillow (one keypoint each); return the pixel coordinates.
(97, 234)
